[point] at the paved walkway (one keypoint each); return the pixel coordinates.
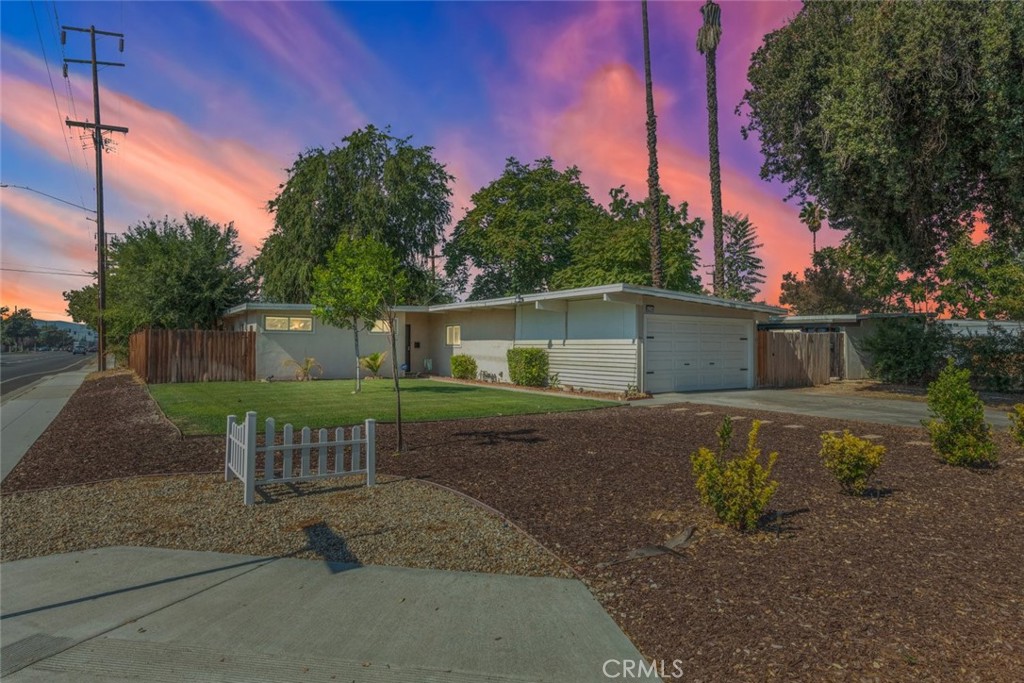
(118, 614)
(27, 413)
(798, 402)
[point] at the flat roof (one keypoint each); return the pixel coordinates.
(558, 295)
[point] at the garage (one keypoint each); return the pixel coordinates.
(687, 353)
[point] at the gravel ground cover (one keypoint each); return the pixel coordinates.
(920, 581)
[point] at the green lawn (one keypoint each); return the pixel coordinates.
(203, 408)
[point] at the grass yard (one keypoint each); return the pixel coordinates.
(202, 408)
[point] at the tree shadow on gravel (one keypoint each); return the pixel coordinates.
(494, 437)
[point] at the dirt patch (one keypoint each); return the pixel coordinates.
(922, 580)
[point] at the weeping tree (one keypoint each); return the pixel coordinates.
(653, 182)
(708, 37)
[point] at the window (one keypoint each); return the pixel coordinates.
(380, 327)
(286, 323)
(453, 335)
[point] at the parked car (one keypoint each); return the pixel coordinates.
(78, 349)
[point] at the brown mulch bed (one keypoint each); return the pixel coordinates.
(111, 428)
(922, 580)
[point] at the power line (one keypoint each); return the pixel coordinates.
(64, 201)
(48, 272)
(67, 81)
(53, 90)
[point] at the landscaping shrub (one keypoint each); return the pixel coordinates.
(463, 367)
(374, 362)
(995, 358)
(960, 434)
(737, 490)
(1017, 424)
(528, 367)
(851, 460)
(906, 351)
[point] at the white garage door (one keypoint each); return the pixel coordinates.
(684, 353)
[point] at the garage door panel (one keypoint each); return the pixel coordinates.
(689, 354)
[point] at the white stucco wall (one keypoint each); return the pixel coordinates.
(486, 336)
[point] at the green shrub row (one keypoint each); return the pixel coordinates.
(528, 367)
(907, 351)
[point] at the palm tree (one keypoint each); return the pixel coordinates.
(811, 215)
(707, 43)
(653, 183)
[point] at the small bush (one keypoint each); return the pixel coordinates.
(737, 490)
(1017, 424)
(528, 367)
(851, 460)
(463, 367)
(374, 362)
(306, 370)
(959, 432)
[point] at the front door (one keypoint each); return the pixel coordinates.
(408, 348)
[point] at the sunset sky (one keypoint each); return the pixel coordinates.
(220, 98)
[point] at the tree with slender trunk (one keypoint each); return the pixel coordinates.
(811, 215)
(708, 37)
(653, 183)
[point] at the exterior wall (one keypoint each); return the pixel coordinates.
(592, 344)
(332, 347)
(486, 336)
(421, 327)
(858, 360)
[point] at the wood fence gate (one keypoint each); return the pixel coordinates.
(791, 358)
(168, 356)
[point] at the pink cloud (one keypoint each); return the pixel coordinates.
(162, 166)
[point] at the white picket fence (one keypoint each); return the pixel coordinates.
(241, 453)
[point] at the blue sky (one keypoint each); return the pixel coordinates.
(221, 97)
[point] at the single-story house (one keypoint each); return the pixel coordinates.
(609, 337)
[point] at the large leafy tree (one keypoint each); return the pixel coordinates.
(615, 247)
(903, 119)
(371, 285)
(983, 280)
(519, 231)
(708, 37)
(169, 274)
(17, 327)
(743, 269)
(374, 184)
(845, 279)
(653, 204)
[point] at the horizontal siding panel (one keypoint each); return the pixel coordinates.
(608, 365)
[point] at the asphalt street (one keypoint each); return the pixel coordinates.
(21, 369)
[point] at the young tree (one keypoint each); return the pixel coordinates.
(374, 185)
(170, 274)
(335, 301)
(743, 268)
(614, 248)
(708, 36)
(519, 231)
(375, 285)
(902, 119)
(653, 182)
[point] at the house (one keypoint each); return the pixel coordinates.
(607, 338)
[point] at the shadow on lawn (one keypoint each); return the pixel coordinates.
(493, 437)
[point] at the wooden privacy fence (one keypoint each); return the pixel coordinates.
(338, 458)
(165, 356)
(790, 358)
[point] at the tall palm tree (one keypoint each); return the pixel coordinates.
(811, 215)
(708, 37)
(653, 183)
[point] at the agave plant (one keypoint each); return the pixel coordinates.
(373, 362)
(306, 370)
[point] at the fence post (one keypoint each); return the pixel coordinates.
(250, 457)
(371, 454)
(227, 449)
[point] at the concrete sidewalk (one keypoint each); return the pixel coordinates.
(28, 412)
(117, 614)
(838, 407)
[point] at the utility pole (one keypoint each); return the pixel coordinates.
(97, 129)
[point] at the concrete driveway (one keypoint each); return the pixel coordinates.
(815, 403)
